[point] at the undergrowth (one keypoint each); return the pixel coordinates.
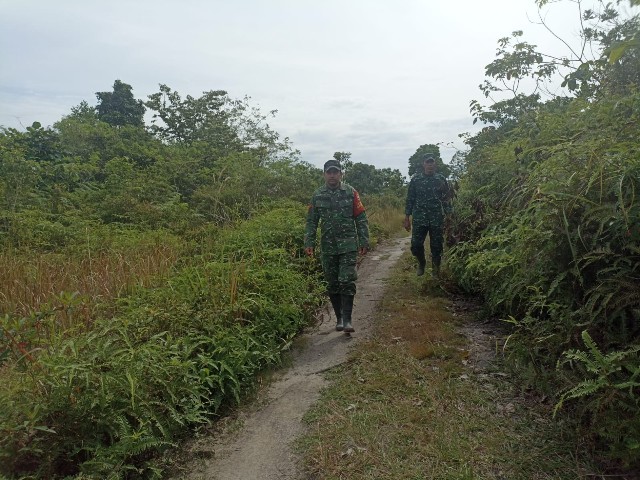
(551, 243)
(100, 403)
(412, 403)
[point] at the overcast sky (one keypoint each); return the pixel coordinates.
(377, 78)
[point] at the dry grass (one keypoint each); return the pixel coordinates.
(409, 406)
(385, 220)
(30, 282)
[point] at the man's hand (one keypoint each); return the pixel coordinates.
(309, 251)
(407, 224)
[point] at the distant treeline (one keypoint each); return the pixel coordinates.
(211, 159)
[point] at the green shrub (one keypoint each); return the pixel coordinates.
(102, 402)
(553, 248)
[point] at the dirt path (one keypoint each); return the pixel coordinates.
(261, 447)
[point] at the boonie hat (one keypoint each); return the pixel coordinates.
(429, 158)
(329, 164)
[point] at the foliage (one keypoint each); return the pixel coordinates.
(35, 143)
(583, 68)
(119, 108)
(215, 125)
(170, 357)
(153, 273)
(208, 159)
(546, 227)
(367, 179)
(611, 386)
(191, 120)
(385, 213)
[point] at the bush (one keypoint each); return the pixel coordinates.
(171, 357)
(556, 254)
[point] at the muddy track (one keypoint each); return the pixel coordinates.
(262, 447)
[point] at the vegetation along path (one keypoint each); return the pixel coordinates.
(419, 392)
(261, 448)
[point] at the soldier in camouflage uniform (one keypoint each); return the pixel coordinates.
(428, 203)
(336, 206)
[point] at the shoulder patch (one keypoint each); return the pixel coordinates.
(358, 207)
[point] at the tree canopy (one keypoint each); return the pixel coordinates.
(120, 108)
(416, 160)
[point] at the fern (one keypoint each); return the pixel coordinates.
(617, 370)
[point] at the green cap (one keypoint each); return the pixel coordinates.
(328, 165)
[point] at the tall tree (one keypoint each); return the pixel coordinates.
(364, 178)
(119, 108)
(607, 58)
(191, 120)
(392, 179)
(19, 176)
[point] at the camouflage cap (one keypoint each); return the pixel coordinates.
(329, 164)
(429, 158)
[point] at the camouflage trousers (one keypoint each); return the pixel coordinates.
(436, 240)
(340, 273)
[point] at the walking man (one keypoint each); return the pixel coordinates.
(428, 203)
(344, 229)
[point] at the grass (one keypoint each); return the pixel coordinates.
(411, 404)
(384, 220)
(32, 281)
(157, 363)
(47, 295)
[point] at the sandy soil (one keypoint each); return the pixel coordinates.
(261, 448)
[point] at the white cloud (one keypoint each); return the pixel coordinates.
(373, 77)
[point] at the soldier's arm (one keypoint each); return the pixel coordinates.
(411, 198)
(362, 226)
(408, 208)
(362, 223)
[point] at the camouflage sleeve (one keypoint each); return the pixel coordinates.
(360, 217)
(411, 198)
(311, 228)
(446, 198)
(362, 226)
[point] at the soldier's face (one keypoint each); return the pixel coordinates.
(332, 178)
(429, 167)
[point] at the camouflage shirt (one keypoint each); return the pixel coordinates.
(342, 218)
(427, 198)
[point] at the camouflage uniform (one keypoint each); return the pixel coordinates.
(428, 203)
(344, 228)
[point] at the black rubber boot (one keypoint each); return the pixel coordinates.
(422, 263)
(336, 301)
(435, 267)
(347, 309)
